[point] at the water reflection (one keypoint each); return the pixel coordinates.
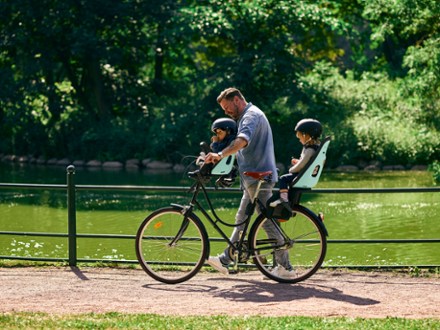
(348, 216)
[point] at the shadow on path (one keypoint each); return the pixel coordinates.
(265, 292)
(79, 273)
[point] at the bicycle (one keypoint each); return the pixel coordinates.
(172, 243)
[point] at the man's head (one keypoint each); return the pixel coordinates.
(232, 102)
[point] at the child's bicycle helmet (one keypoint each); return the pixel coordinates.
(226, 124)
(309, 126)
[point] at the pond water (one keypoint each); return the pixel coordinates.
(347, 216)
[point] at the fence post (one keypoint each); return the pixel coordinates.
(71, 214)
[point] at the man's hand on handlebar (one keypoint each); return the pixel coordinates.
(212, 157)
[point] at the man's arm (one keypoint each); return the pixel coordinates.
(236, 145)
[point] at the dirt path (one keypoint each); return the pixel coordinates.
(71, 290)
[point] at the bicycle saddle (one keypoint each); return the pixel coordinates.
(258, 175)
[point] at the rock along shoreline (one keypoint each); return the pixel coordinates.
(134, 164)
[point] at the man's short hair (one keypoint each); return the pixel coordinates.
(229, 94)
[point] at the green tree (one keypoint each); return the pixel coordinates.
(77, 59)
(262, 47)
(411, 31)
(118, 79)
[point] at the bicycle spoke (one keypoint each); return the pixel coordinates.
(292, 256)
(168, 250)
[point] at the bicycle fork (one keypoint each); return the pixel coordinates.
(184, 225)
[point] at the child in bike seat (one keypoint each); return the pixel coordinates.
(225, 130)
(308, 132)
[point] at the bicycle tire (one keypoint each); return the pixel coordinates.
(167, 261)
(305, 246)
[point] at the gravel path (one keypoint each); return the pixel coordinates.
(328, 293)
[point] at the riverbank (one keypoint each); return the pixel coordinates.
(148, 163)
(94, 163)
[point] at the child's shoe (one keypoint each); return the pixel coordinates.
(285, 204)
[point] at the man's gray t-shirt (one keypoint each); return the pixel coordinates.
(259, 154)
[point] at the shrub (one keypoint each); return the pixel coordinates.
(372, 118)
(435, 169)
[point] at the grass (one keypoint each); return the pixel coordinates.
(148, 321)
(408, 271)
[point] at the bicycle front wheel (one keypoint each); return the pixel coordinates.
(289, 251)
(170, 247)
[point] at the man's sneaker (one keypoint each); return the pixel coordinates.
(281, 202)
(215, 263)
(281, 272)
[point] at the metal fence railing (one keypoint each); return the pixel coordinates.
(72, 235)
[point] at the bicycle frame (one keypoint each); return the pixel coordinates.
(236, 247)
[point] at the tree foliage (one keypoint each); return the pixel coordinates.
(119, 79)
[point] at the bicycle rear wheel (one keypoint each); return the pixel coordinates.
(170, 247)
(298, 243)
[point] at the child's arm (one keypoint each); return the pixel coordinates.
(302, 161)
(214, 144)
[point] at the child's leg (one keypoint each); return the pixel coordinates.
(284, 184)
(284, 189)
(284, 195)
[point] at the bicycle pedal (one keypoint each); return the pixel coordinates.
(233, 272)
